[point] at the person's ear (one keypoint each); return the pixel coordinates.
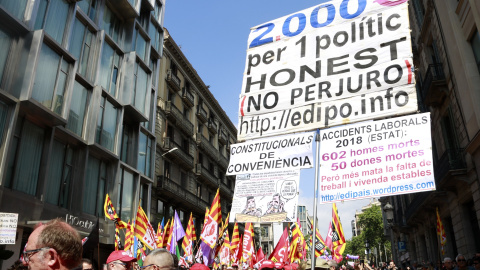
(52, 257)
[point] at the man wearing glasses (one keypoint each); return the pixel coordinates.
(120, 260)
(462, 263)
(53, 246)
(159, 259)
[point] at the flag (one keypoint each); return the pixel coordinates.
(144, 230)
(225, 250)
(280, 253)
(320, 245)
(128, 237)
(328, 240)
(166, 234)
(260, 258)
(118, 243)
(210, 228)
(177, 234)
(207, 253)
(441, 233)
(224, 225)
(338, 237)
(160, 233)
(297, 245)
(337, 252)
(188, 239)
(109, 210)
(194, 233)
(238, 255)
(235, 237)
(248, 249)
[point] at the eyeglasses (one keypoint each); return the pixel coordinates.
(29, 253)
(159, 267)
(126, 265)
(461, 260)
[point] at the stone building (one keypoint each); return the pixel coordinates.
(446, 47)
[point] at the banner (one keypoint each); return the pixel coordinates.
(335, 63)
(272, 154)
(266, 197)
(376, 158)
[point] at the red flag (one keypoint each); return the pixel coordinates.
(328, 240)
(280, 253)
(441, 233)
(247, 248)
(239, 251)
(338, 237)
(260, 255)
(225, 251)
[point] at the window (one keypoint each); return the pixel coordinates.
(24, 165)
(5, 41)
(128, 195)
(184, 179)
(109, 69)
(475, 42)
(166, 169)
(153, 67)
(144, 154)
(419, 11)
(16, 8)
(199, 190)
(59, 174)
(157, 12)
(140, 89)
(82, 47)
(50, 79)
(52, 17)
(154, 35)
(95, 186)
(144, 196)
(112, 25)
(127, 137)
(265, 231)
(89, 7)
(3, 120)
(106, 125)
(140, 45)
(160, 207)
(78, 108)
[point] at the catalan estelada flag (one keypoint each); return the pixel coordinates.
(144, 230)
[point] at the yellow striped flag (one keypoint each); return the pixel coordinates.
(338, 238)
(224, 226)
(216, 210)
(144, 230)
(187, 240)
(166, 233)
(235, 238)
(128, 236)
(441, 233)
(118, 244)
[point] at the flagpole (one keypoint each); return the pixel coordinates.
(317, 168)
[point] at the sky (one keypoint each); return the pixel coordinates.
(213, 36)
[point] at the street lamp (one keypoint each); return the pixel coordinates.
(169, 151)
(367, 245)
(388, 209)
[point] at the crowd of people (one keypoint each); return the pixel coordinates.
(57, 246)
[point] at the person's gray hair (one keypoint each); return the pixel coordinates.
(458, 256)
(163, 257)
(447, 259)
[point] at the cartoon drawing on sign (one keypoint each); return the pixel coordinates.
(275, 205)
(250, 208)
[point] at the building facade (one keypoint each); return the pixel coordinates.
(78, 91)
(446, 47)
(194, 135)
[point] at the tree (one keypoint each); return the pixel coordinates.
(372, 225)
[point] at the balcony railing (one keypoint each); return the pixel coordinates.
(201, 113)
(434, 84)
(181, 153)
(226, 189)
(212, 126)
(173, 80)
(222, 136)
(223, 161)
(452, 159)
(180, 192)
(187, 97)
(207, 146)
(173, 113)
(204, 173)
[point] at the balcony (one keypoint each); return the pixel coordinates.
(434, 89)
(452, 162)
(181, 154)
(206, 175)
(212, 126)
(226, 190)
(206, 146)
(201, 114)
(223, 161)
(174, 115)
(222, 136)
(173, 80)
(169, 189)
(187, 97)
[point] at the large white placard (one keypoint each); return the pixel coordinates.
(272, 154)
(376, 158)
(8, 228)
(266, 197)
(335, 63)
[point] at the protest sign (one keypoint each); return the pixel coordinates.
(376, 158)
(266, 197)
(8, 228)
(272, 154)
(335, 63)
